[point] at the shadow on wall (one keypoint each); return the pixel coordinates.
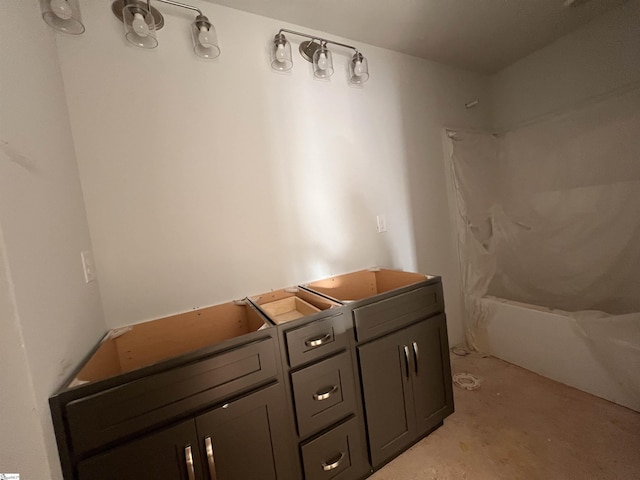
(432, 97)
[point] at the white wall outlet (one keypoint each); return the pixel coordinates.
(89, 266)
(382, 223)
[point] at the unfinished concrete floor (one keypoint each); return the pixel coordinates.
(519, 425)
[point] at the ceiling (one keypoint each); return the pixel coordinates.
(483, 36)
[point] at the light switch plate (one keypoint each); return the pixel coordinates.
(88, 266)
(382, 223)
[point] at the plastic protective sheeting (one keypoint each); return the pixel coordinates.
(549, 215)
(615, 342)
(474, 167)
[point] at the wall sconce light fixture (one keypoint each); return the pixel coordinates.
(142, 21)
(63, 15)
(315, 51)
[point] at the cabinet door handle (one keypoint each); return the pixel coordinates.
(316, 342)
(406, 359)
(208, 446)
(191, 474)
(326, 466)
(326, 394)
(415, 356)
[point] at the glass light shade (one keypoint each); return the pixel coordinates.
(358, 69)
(205, 40)
(281, 54)
(139, 26)
(322, 63)
(63, 15)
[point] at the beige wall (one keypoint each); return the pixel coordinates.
(208, 181)
(595, 60)
(22, 447)
(50, 318)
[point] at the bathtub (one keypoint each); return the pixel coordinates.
(603, 362)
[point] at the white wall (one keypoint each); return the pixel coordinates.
(595, 60)
(52, 317)
(206, 181)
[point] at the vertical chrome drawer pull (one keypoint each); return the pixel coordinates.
(334, 464)
(189, 459)
(208, 446)
(316, 342)
(406, 359)
(319, 396)
(415, 356)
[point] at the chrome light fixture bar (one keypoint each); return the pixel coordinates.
(141, 21)
(315, 51)
(63, 15)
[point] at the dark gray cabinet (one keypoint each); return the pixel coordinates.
(145, 402)
(232, 393)
(239, 440)
(247, 438)
(406, 386)
(323, 393)
(317, 354)
(169, 454)
(172, 416)
(431, 376)
(336, 455)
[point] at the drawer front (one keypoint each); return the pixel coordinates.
(120, 411)
(323, 393)
(338, 454)
(316, 339)
(392, 313)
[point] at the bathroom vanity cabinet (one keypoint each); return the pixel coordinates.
(174, 395)
(403, 354)
(328, 380)
(406, 383)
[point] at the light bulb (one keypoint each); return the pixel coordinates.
(205, 38)
(322, 61)
(357, 68)
(281, 53)
(139, 25)
(61, 9)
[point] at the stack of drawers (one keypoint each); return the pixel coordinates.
(325, 398)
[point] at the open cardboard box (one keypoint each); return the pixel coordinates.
(136, 346)
(364, 283)
(290, 304)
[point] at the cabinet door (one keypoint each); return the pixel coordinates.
(247, 438)
(388, 397)
(170, 454)
(431, 373)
